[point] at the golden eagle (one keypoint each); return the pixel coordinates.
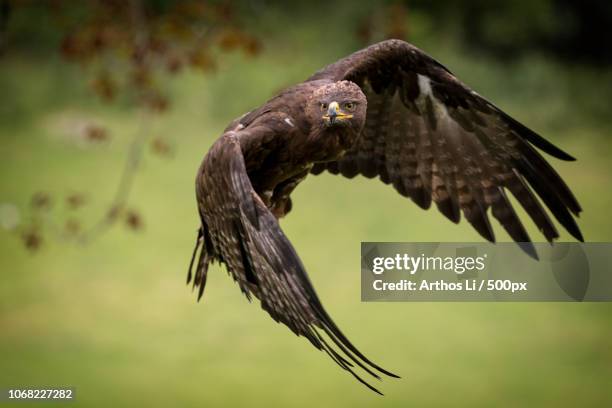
(391, 111)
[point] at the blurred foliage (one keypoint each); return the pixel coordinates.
(574, 31)
(129, 44)
(127, 51)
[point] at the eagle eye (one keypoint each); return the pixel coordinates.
(323, 106)
(349, 106)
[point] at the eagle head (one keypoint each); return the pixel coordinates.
(339, 105)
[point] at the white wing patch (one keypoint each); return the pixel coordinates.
(425, 92)
(289, 122)
(424, 86)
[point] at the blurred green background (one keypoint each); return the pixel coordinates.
(114, 318)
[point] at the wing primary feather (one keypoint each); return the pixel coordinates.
(338, 343)
(336, 331)
(336, 358)
(502, 210)
(361, 380)
(552, 200)
(552, 178)
(521, 191)
(481, 160)
(346, 365)
(510, 178)
(341, 360)
(529, 249)
(534, 138)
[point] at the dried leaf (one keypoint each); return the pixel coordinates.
(71, 47)
(139, 54)
(161, 147)
(397, 21)
(133, 220)
(252, 47)
(230, 39)
(364, 30)
(174, 64)
(156, 45)
(202, 60)
(75, 200)
(41, 200)
(95, 133)
(141, 77)
(104, 86)
(156, 102)
(224, 11)
(32, 239)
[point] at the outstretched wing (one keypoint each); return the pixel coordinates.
(433, 138)
(240, 231)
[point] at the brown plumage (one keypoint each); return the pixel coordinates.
(390, 111)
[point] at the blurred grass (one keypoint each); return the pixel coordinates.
(114, 319)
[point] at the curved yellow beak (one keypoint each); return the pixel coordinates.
(335, 113)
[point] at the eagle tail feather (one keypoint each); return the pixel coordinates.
(193, 255)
